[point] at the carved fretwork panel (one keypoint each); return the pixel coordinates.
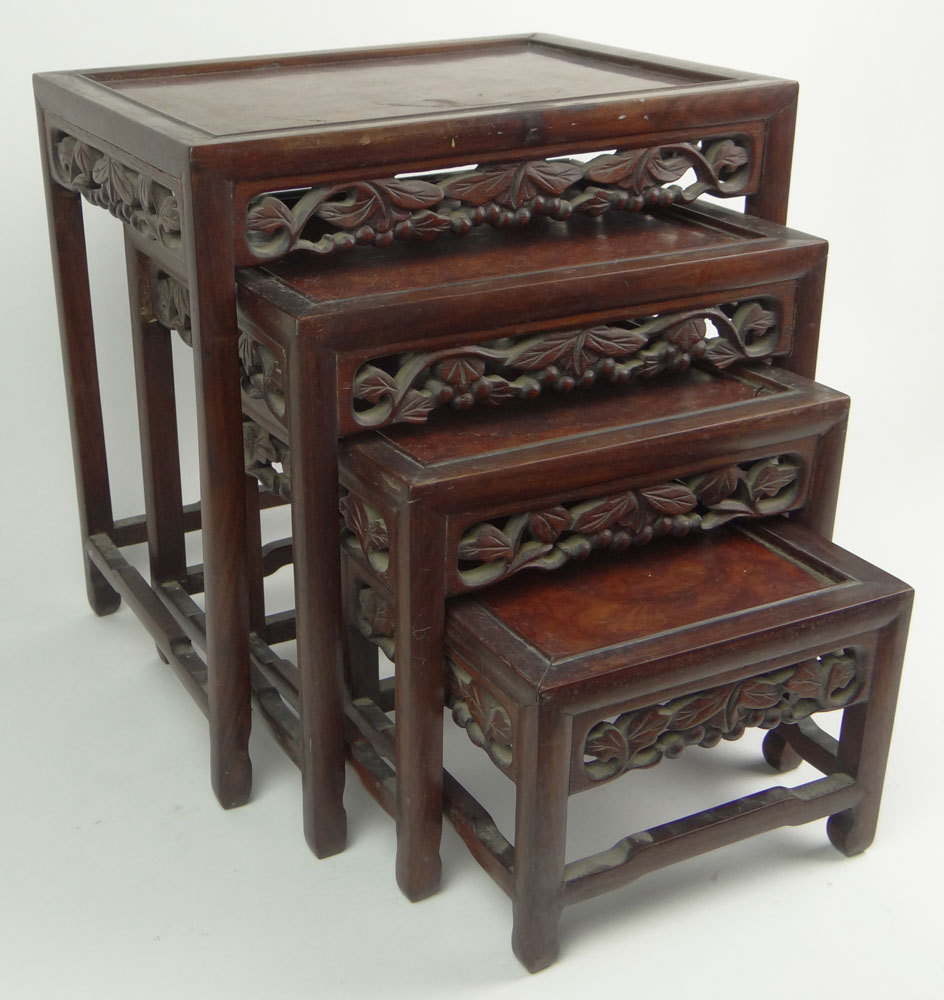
(171, 304)
(364, 532)
(549, 538)
(337, 217)
(643, 737)
(479, 712)
(129, 193)
(408, 387)
(261, 373)
(267, 458)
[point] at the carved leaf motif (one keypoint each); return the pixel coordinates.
(428, 225)
(753, 322)
(485, 543)
(497, 728)
(374, 384)
(726, 156)
(144, 193)
(539, 176)
(757, 692)
(612, 341)
(842, 673)
(499, 389)
(480, 186)
(807, 682)
(733, 506)
(64, 151)
(169, 215)
(114, 180)
(410, 193)
(460, 371)
(722, 352)
(376, 612)
(547, 525)
(644, 728)
(719, 485)
(607, 743)
(354, 210)
(269, 215)
(543, 351)
(673, 498)
(258, 444)
(83, 163)
(600, 514)
(701, 708)
(770, 479)
(687, 334)
(416, 407)
(637, 169)
(593, 202)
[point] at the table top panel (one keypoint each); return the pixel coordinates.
(241, 98)
(442, 266)
(617, 598)
(484, 432)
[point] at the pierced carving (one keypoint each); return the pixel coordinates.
(261, 374)
(503, 195)
(267, 458)
(129, 194)
(373, 618)
(481, 715)
(643, 737)
(172, 306)
(547, 539)
(408, 388)
(364, 532)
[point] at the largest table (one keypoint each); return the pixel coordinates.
(196, 161)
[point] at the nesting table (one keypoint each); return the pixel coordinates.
(217, 166)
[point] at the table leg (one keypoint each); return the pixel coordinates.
(317, 550)
(222, 484)
(83, 397)
(157, 419)
(419, 630)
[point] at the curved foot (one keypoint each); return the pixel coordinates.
(103, 599)
(328, 835)
(848, 834)
(779, 754)
(233, 785)
(417, 885)
(535, 950)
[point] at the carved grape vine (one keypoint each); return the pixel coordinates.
(377, 212)
(642, 738)
(364, 532)
(547, 539)
(262, 453)
(483, 717)
(172, 306)
(408, 388)
(126, 192)
(261, 374)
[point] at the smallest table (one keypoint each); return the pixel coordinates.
(572, 679)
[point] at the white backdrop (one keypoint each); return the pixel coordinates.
(119, 875)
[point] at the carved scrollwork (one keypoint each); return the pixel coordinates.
(364, 532)
(408, 388)
(643, 737)
(127, 192)
(267, 459)
(547, 539)
(261, 374)
(483, 717)
(172, 306)
(502, 195)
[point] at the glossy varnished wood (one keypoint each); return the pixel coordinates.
(181, 127)
(784, 595)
